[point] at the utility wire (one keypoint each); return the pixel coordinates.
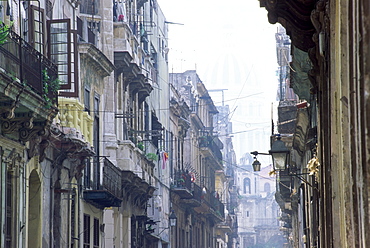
(160, 109)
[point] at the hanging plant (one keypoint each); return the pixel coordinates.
(4, 33)
(152, 156)
(49, 86)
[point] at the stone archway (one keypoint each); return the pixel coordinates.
(34, 210)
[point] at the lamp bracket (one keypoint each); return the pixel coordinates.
(255, 153)
(303, 179)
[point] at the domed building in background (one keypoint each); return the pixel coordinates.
(258, 212)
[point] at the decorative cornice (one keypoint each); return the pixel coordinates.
(295, 16)
(96, 58)
(122, 61)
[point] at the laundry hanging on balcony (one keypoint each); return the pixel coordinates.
(163, 157)
(119, 11)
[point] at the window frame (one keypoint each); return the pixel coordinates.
(67, 89)
(32, 27)
(96, 233)
(87, 233)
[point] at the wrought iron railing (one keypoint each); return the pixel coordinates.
(217, 206)
(197, 193)
(210, 200)
(208, 141)
(182, 180)
(20, 60)
(112, 178)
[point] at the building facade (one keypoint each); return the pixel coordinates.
(258, 212)
(329, 146)
(78, 129)
(199, 207)
(227, 231)
(99, 148)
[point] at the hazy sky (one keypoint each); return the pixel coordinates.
(231, 44)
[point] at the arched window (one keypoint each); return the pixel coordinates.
(267, 188)
(247, 185)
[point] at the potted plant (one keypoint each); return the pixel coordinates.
(140, 145)
(152, 156)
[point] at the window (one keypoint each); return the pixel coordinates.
(87, 100)
(87, 173)
(49, 9)
(146, 120)
(96, 142)
(255, 185)
(63, 53)
(33, 26)
(247, 186)
(9, 213)
(73, 214)
(37, 29)
(89, 7)
(267, 188)
(59, 48)
(86, 231)
(96, 233)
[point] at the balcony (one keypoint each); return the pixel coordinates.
(182, 185)
(21, 61)
(210, 145)
(26, 108)
(137, 190)
(130, 58)
(76, 122)
(210, 205)
(217, 208)
(131, 158)
(109, 193)
(283, 192)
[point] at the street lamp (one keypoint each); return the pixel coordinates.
(256, 165)
(173, 218)
(280, 154)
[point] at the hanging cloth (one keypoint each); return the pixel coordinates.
(121, 12)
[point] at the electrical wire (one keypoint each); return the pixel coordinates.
(243, 87)
(160, 109)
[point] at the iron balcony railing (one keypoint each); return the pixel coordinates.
(108, 193)
(217, 205)
(209, 141)
(182, 180)
(197, 193)
(112, 180)
(20, 60)
(210, 200)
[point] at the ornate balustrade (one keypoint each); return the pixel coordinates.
(72, 115)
